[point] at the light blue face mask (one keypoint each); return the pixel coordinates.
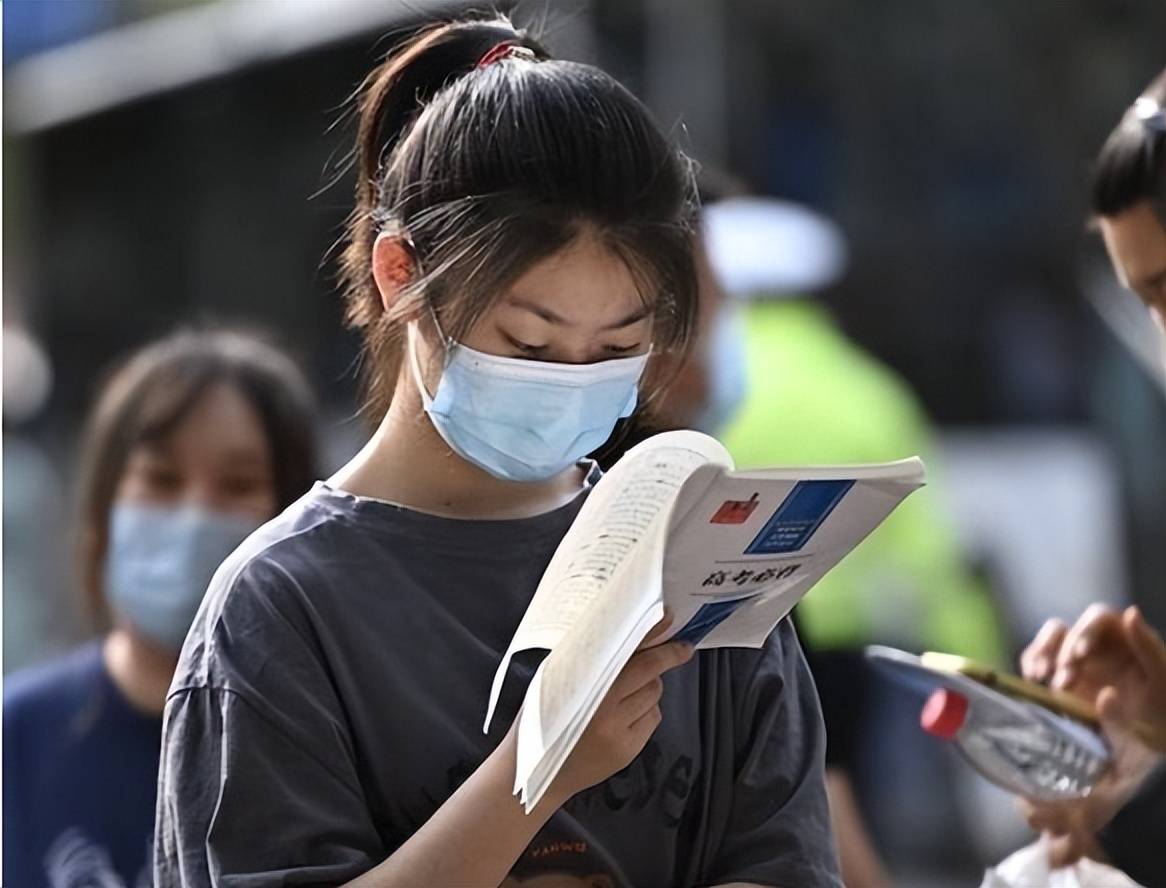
(160, 562)
(525, 420)
(725, 354)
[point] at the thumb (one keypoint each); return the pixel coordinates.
(1117, 722)
(656, 631)
(1109, 707)
(1146, 645)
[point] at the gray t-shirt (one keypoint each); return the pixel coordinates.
(330, 698)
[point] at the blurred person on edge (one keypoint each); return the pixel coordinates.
(192, 444)
(1116, 660)
(521, 241)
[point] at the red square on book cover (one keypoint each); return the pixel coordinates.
(735, 511)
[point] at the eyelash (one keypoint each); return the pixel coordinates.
(525, 348)
(611, 349)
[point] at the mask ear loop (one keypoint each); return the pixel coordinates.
(446, 342)
(412, 332)
(415, 366)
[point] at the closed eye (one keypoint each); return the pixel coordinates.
(525, 347)
(622, 349)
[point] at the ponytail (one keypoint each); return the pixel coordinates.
(389, 100)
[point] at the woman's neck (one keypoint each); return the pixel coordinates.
(407, 462)
(140, 669)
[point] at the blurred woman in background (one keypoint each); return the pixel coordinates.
(196, 441)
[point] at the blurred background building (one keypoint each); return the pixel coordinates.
(169, 162)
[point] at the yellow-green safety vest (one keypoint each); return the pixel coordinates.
(814, 397)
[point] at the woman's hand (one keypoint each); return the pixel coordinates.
(484, 820)
(626, 718)
(1118, 663)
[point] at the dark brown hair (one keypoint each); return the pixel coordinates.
(1132, 164)
(150, 394)
(488, 169)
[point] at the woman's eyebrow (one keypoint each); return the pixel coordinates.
(244, 456)
(551, 318)
(155, 448)
(545, 313)
(635, 317)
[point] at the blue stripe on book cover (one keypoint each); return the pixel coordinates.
(799, 517)
(707, 619)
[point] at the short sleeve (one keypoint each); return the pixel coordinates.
(778, 831)
(258, 784)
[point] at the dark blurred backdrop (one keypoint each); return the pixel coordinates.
(169, 162)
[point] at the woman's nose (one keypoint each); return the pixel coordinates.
(201, 494)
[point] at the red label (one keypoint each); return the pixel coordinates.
(735, 511)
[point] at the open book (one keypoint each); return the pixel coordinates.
(673, 526)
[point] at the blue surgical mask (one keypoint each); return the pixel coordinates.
(160, 562)
(725, 357)
(525, 420)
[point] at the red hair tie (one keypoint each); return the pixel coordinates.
(504, 50)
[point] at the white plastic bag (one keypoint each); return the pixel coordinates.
(1029, 868)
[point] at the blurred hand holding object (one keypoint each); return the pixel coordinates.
(1030, 866)
(1116, 662)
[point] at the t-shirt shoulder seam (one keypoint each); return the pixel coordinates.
(289, 576)
(266, 552)
(295, 583)
(189, 690)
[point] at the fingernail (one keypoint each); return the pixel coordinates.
(1081, 648)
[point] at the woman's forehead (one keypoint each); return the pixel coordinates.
(222, 421)
(584, 284)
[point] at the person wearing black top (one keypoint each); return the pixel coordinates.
(1116, 659)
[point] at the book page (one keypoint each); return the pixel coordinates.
(910, 470)
(625, 505)
(578, 662)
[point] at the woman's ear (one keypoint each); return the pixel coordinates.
(393, 266)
